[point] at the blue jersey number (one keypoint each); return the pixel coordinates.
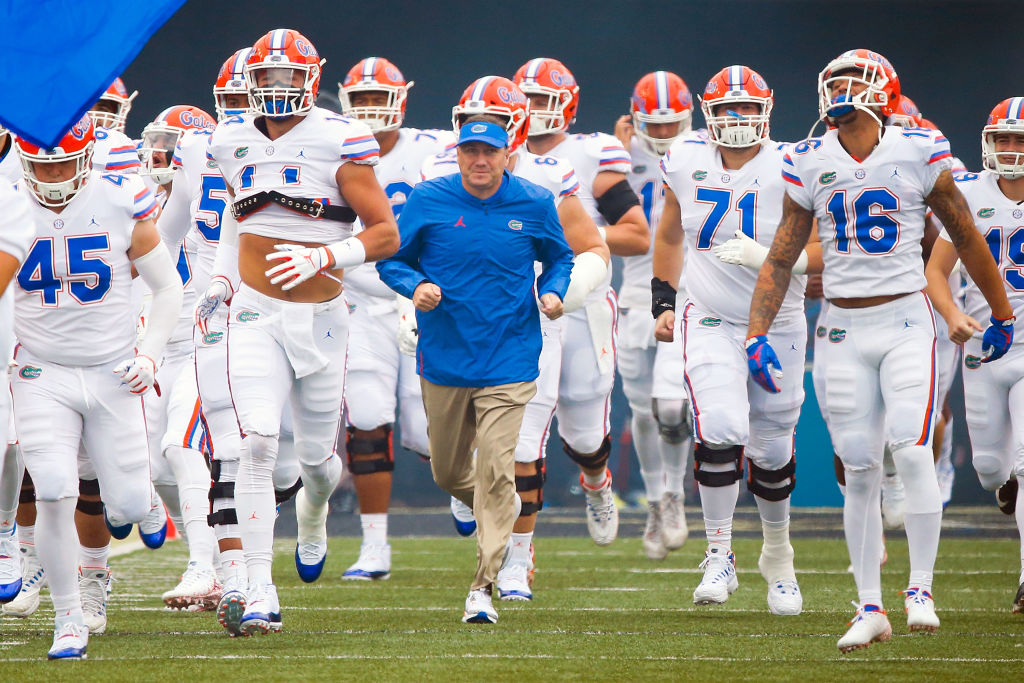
(394, 189)
(720, 201)
(1008, 252)
(212, 202)
(647, 194)
(184, 269)
(88, 275)
(245, 179)
(872, 228)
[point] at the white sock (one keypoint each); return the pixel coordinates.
(375, 528)
(923, 516)
(521, 545)
(593, 482)
(193, 479)
(27, 535)
(232, 564)
(58, 552)
(777, 553)
(648, 455)
(94, 558)
(862, 524)
(676, 456)
(718, 504)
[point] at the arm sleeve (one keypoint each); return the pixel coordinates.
(174, 220)
(555, 255)
(402, 271)
(157, 270)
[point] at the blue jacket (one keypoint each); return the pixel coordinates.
(481, 253)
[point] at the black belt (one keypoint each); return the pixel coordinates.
(309, 207)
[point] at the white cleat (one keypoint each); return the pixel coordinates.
(784, 598)
(515, 579)
(893, 501)
(479, 609)
(674, 531)
(920, 609)
(231, 607)
(10, 568)
(602, 515)
(263, 611)
(70, 639)
(33, 579)
(374, 564)
(870, 625)
(719, 581)
(653, 540)
(92, 585)
(197, 591)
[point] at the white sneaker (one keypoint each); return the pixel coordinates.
(719, 579)
(654, 544)
(462, 514)
(70, 638)
(784, 598)
(92, 585)
(231, 607)
(602, 515)
(479, 609)
(515, 579)
(893, 501)
(10, 568)
(263, 611)
(673, 521)
(869, 625)
(374, 563)
(33, 579)
(197, 591)
(311, 544)
(920, 610)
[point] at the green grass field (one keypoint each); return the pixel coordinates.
(598, 614)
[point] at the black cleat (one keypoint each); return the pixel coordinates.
(1006, 496)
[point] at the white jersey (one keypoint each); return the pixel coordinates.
(398, 172)
(869, 210)
(114, 152)
(1001, 221)
(715, 203)
(10, 164)
(301, 163)
(73, 300)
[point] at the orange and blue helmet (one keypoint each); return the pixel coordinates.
(1006, 118)
(283, 74)
(231, 81)
(881, 92)
(77, 145)
(907, 115)
(376, 74)
(499, 97)
(117, 95)
(660, 97)
(733, 85)
(160, 137)
(549, 78)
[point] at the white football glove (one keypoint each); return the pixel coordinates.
(298, 264)
(139, 374)
(408, 329)
(741, 251)
(216, 293)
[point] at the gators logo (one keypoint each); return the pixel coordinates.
(836, 335)
(515, 225)
(699, 175)
(708, 321)
(212, 337)
(972, 362)
(820, 332)
(247, 316)
(29, 372)
(986, 213)
(827, 178)
(241, 152)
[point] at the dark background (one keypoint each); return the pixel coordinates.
(957, 60)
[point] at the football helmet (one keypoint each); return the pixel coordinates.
(162, 135)
(76, 145)
(660, 97)
(376, 74)
(231, 81)
(1007, 117)
(549, 77)
(500, 97)
(907, 115)
(881, 93)
(736, 84)
(283, 74)
(117, 95)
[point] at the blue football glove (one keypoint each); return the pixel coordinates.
(764, 365)
(997, 339)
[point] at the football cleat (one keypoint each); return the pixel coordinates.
(153, 527)
(70, 639)
(92, 585)
(784, 598)
(374, 563)
(10, 568)
(893, 501)
(311, 544)
(654, 544)
(231, 607)
(462, 515)
(263, 611)
(479, 609)
(515, 578)
(197, 591)
(1006, 496)
(118, 531)
(920, 610)
(719, 580)
(673, 521)
(33, 578)
(1018, 600)
(869, 625)
(602, 515)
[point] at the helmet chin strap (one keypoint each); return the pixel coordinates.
(846, 106)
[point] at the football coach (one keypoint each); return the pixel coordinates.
(469, 244)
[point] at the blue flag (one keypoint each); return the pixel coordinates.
(60, 55)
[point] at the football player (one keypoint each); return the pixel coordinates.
(379, 375)
(993, 411)
(868, 186)
(115, 152)
(299, 175)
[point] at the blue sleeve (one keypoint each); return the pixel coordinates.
(401, 272)
(555, 255)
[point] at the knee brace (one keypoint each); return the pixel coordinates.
(757, 477)
(381, 448)
(89, 487)
(533, 482)
(282, 495)
(593, 460)
(673, 420)
(731, 455)
(222, 493)
(28, 489)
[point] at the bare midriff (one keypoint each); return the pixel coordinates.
(253, 264)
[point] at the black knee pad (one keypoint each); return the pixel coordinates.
(712, 456)
(758, 477)
(380, 447)
(674, 434)
(282, 495)
(533, 482)
(220, 489)
(591, 461)
(88, 487)
(89, 507)
(28, 489)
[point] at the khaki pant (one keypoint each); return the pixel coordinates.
(489, 418)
